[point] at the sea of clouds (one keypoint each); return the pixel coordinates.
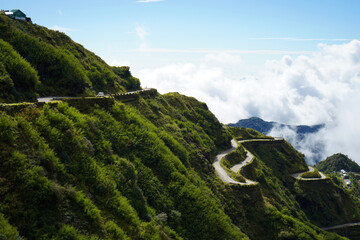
(322, 88)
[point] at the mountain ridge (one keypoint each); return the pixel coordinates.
(265, 126)
(56, 64)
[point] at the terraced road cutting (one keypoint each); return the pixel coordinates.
(222, 173)
(249, 157)
(311, 169)
(224, 176)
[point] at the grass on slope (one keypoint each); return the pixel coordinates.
(63, 66)
(107, 174)
(313, 174)
(235, 157)
(337, 162)
(325, 203)
(280, 156)
(240, 133)
(236, 176)
(18, 79)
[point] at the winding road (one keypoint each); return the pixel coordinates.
(223, 175)
(249, 157)
(341, 226)
(49, 99)
(311, 169)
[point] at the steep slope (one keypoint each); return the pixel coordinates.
(63, 66)
(136, 171)
(108, 172)
(323, 202)
(249, 207)
(327, 204)
(320, 201)
(337, 162)
(18, 79)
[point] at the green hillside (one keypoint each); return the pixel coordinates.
(53, 64)
(139, 167)
(321, 201)
(136, 171)
(337, 162)
(107, 172)
(18, 79)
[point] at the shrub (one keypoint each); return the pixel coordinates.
(6, 230)
(113, 231)
(7, 126)
(18, 79)
(236, 156)
(88, 207)
(313, 174)
(131, 83)
(69, 233)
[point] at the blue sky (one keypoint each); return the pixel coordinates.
(179, 30)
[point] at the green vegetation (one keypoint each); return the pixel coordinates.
(111, 171)
(337, 162)
(115, 174)
(321, 202)
(351, 232)
(240, 133)
(101, 169)
(327, 204)
(49, 63)
(236, 176)
(6, 230)
(312, 174)
(280, 156)
(18, 79)
(131, 83)
(293, 228)
(235, 157)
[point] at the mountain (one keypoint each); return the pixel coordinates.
(138, 167)
(36, 61)
(337, 162)
(302, 137)
(265, 127)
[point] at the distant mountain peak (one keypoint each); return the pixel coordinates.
(295, 134)
(265, 126)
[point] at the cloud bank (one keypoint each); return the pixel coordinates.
(321, 88)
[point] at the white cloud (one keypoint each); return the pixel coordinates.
(62, 29)
(311, 144)
(60, 12)
(321, 88)
(141, 32)
(223, 57)
(149, 1)
(342, 135)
